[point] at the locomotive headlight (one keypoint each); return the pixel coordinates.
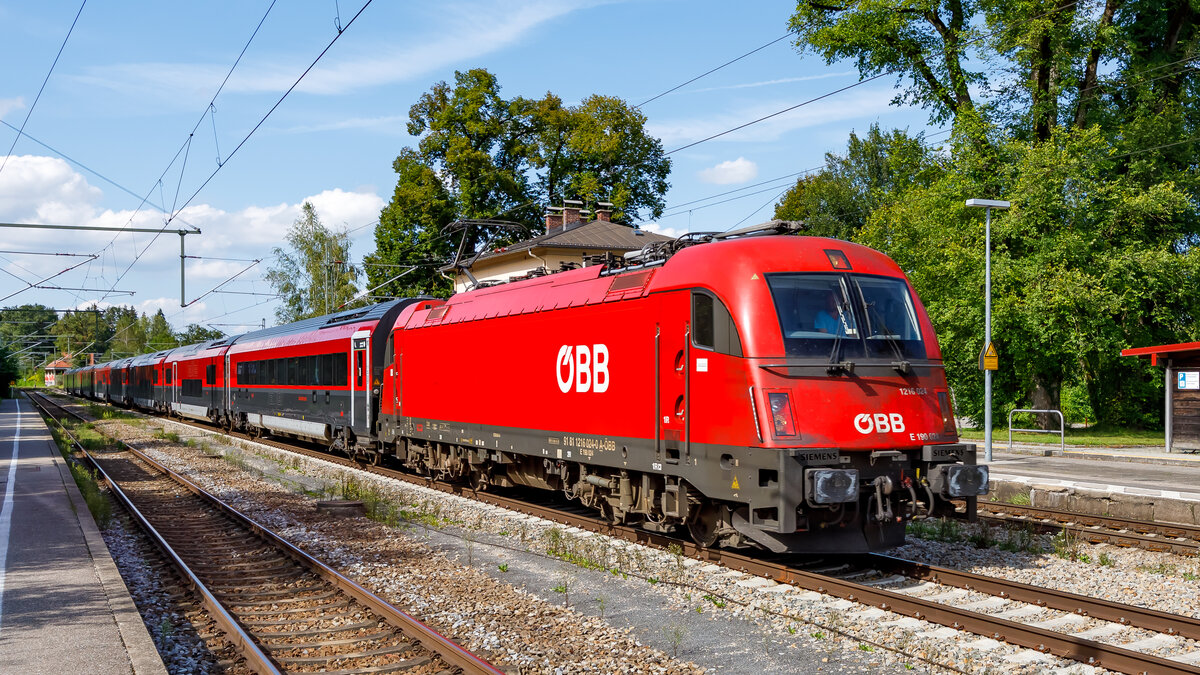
(781, 413)
(830, 486)
(959, 480)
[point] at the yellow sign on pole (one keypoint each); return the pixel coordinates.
(989, 358)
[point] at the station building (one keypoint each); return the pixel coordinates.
(54, 369)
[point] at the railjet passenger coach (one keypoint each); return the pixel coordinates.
(754, 388)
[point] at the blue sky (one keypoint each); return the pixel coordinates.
(135, 78)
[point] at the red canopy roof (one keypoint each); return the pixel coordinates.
(1155, 352)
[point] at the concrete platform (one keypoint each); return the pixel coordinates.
(1143, 483)
(63, 606)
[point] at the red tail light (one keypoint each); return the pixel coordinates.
(948, 425)
(781, 413)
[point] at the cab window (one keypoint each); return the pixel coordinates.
(712, 325)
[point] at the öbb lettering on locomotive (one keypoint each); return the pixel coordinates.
(755, 388)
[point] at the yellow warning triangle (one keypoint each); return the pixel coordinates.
(754, 277)
(735, 485)
(991, 351)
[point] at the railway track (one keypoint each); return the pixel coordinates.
(280, 609)
(1072, 626)
(1152, 536)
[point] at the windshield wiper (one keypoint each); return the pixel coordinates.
(836, 366)
(901, 364)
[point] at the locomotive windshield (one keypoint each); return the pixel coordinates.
(846, 316)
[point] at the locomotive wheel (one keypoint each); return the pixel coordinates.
(705, 525)
(479, 481)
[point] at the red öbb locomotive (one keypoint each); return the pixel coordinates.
(785, 392)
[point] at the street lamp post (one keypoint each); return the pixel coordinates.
(988, 205)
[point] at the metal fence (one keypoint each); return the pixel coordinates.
(1062, 427)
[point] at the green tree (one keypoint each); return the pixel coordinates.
(23, 326)
(195, 333)
(1076, 274)
(10, 369)
(315, 276)
(82, 333)
(837, 201)
(409, 243)
(484, 157)
(159, 334)
(128, 336)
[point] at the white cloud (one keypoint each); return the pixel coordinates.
(47, 190)
(855, 104)
(8, 105)
(740, 170)
(463, 32)
(657, 228)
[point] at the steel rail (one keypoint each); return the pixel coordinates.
(1096, 608)
(1154, 536)
(239, 638)
(453, 653)
(1086, 651)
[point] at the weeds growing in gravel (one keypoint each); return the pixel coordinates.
(1067, 545)
(1021, 539)
(601, 603)
(503, 567)
(675, 632)
(96, 502)
(941, 529)
(1106, 560)
(1019, 499)
(165, 435)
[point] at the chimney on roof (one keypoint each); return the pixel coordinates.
(554, 219)
(604, 211)
(571, 212)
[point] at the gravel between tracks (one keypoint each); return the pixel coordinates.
(440, 563)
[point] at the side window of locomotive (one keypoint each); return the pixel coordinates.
(712, 325)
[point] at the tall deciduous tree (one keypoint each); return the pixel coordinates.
(315, 276)
(837, 201)
(482, 156)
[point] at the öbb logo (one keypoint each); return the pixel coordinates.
(882, 423)
(584, 367)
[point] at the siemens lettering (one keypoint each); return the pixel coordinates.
(584, 367)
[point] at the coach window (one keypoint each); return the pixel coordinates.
(210, 374)
(712, 325)
(326, 369)
(359, 358)
(339, 369)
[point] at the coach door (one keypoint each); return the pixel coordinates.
(174, 383)
(360, 381)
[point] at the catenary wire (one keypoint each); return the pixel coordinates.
(710, 72)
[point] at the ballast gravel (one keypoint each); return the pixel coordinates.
(534, 596)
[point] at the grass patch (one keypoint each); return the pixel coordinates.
(165, 435)
(89, 487)
(940, 529)
(1086, 437)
